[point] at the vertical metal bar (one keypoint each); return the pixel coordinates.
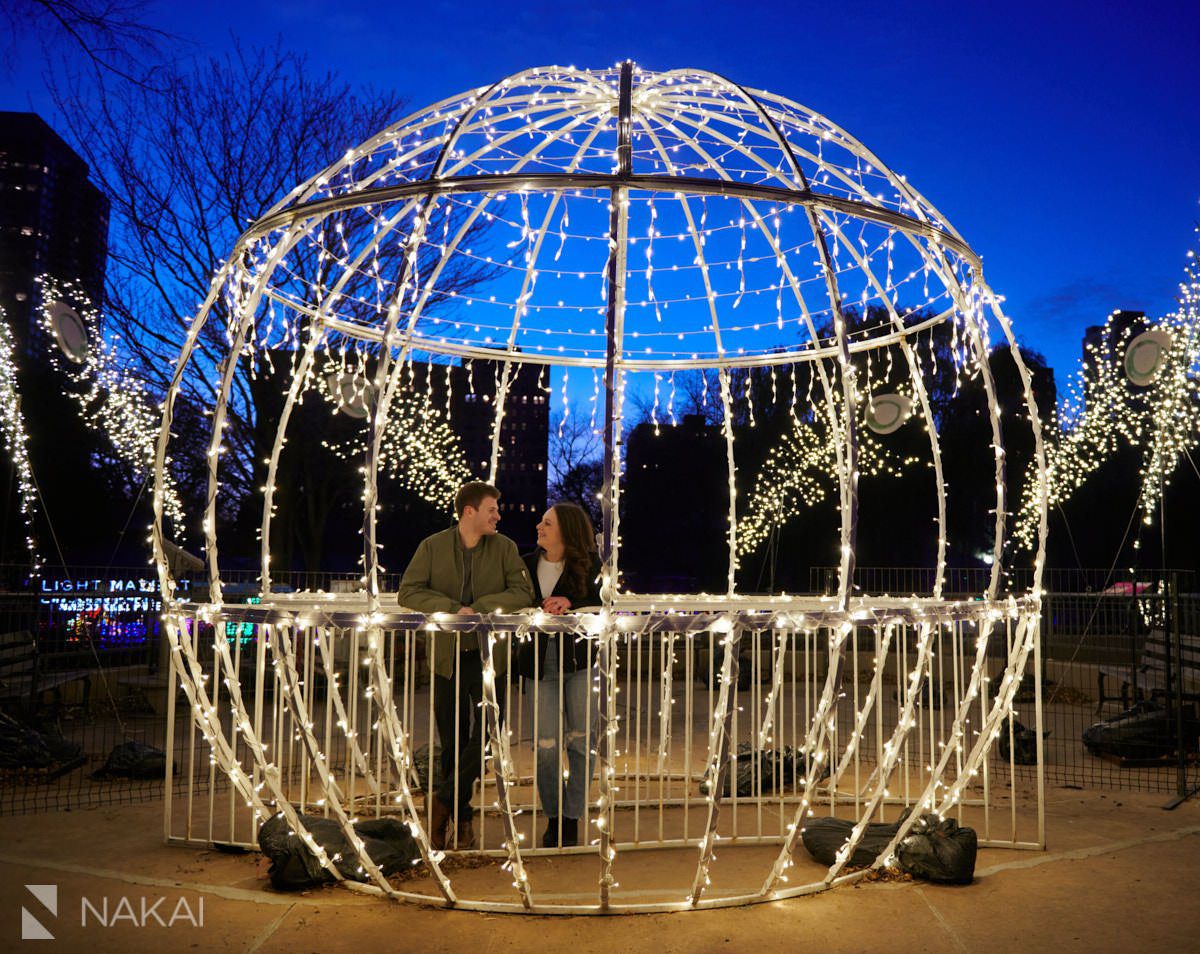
(618, 230)
(535, 719)
(559, 779)
(689, 701)
(172, 675)
(879, 703)
(608, 730)
(635, 699)
(457, 736)
(585, 821)
(1039, 741)
(1174, 641)
(731, 741)
(664, 724)
(260, 668)
(982, 633)
(432, 764)
(857, 702)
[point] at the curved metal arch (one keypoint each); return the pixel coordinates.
(519, 308)
(901, 183)
(548, 181)
(963, 284)
(845, 444)
(722, 376)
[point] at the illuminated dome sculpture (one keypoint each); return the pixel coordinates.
(632, 226)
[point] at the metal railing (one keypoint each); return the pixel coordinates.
(703, 725)
(103, 680)
(972, 581)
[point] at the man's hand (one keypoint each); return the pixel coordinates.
(467, 611)
(556, 605)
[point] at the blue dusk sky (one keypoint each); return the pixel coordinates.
(1062, 139)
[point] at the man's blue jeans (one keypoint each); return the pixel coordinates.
(577, 734)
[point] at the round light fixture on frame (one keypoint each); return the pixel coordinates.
(887, 412)
(1146, 356)
(353, 394)
(69, 331)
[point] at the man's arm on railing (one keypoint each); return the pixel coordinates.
(518, 591)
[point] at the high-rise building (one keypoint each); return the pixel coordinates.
(53, 223)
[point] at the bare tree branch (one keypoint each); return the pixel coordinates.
(111, 34)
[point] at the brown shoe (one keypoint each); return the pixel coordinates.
(466, 836)
(439, 821)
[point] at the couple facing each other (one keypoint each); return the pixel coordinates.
(471, 569)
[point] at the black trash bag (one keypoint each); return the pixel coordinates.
(388, 841)
(1146, 730)
(782, 767)
(134, 760)
(24, 747)
(1024, 744)
(938, 850)
(824, 838)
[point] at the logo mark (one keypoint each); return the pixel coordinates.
(31, 928)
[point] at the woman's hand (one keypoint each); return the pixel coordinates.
(556, 605)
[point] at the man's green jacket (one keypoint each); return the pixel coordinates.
(433, 584)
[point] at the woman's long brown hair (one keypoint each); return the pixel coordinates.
(579, 543)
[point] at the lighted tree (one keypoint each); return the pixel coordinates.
(16, 439)
(1106, 412)
(421, 452)
(113, 401)
(799, 473)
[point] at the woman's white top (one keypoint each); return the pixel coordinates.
(548, 575)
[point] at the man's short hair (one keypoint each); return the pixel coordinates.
(472, 494)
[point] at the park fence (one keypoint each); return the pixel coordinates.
(86, 691)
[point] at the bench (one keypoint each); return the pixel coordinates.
(23, 683)
(18, 670)
(1149, 677)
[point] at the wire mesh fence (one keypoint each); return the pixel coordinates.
(84, 685)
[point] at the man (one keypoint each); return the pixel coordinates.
(468, 569)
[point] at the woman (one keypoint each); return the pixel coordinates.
(565, 570)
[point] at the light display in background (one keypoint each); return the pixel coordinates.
(419, 450)
(800, 472)
(1158, 414)
(112, 400)
(107, 612)
(16, 439)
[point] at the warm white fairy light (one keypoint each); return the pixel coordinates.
(1106, 411)
(420, 450)
(112, 400)
(790, 222)
(16, 439)
(799, 472)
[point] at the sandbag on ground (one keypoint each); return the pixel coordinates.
(389, 843)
